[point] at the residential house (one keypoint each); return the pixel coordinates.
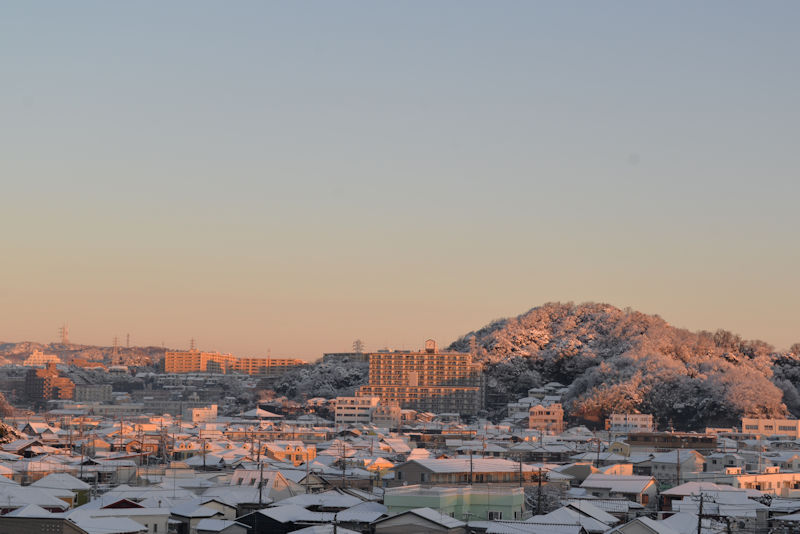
(639, 489)
(419, 520)
(465, 502)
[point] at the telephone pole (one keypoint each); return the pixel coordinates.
(539, 494)
(700, 516)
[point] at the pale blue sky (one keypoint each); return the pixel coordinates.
(293, 176)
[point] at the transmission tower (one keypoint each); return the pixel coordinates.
(63, 333)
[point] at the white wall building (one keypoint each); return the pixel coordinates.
(629, 422)
(354, 410)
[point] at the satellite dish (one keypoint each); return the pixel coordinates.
(492, 382)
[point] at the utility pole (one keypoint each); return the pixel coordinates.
(598, 454)
(260, 484)
(539, 494)
(307, 469)
(344, 462)
(678, 467)
(700, 516)
(470, 466)
(520, 469)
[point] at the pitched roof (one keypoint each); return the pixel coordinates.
(568, 516)
(61, 481)
(30, 510)
(618, 483)
(327, 499)
(216, 525)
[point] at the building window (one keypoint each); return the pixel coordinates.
(494, 515)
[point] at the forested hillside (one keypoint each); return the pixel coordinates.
(615, 360)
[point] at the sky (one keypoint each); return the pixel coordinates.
(289, 177)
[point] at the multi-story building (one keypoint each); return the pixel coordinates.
(355, 410)
(40, 359)
(336, 357)
(46, 384)
(93, 393)
(667, 441)
(546, 418)
(630, 422)
(387, 415)
(772, 427)
(205, 414)
(427, 380)
(195, 361)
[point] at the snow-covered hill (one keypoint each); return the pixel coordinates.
(617, 360)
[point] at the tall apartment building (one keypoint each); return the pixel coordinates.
(46, 384)
(195, 361)
(427, 380)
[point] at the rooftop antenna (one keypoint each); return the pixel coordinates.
(191, 344)
(63, 332)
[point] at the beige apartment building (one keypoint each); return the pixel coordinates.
(428, 380)
(195, 361)
(546, 418)
(772, 427)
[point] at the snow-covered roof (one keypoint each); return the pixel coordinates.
(366, 512)
(434, 516)
(324, 529)
(291, 513)
(327, 499)
(479, 465)
(618, 483)
(61, 481)
(587, 508)
(191, 509)
(30, 510)
(216, 525)
(518, 527)
(567, 516)
(12, 496)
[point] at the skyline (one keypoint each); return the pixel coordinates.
(274, 176)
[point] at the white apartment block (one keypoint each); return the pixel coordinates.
(355, 410)
(630, 422)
